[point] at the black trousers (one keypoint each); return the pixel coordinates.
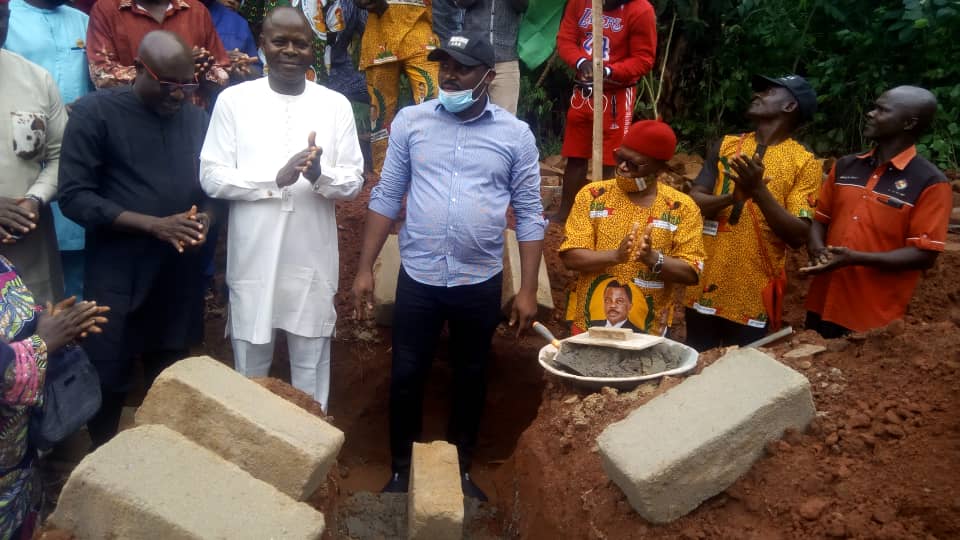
(103, 426)
(709, 331)
(827, 329)
(472, 313)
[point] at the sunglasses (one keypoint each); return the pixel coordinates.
(169, 87)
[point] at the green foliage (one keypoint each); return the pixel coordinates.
(850, 50)
(538, 103)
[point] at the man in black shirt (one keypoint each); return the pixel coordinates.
(128, 175)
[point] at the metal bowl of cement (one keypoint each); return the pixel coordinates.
(665, 358)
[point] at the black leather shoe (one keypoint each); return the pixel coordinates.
(470, 489)
(399, 483)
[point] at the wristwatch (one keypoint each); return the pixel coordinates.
(35, 199)
(657, 266)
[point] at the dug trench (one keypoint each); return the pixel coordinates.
(879, 461)
(889, 476)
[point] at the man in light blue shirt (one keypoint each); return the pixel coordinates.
(52, 35)
(460, 161)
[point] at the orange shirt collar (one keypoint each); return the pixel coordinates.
(900, 161)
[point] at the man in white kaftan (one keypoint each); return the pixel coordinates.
(282, 258)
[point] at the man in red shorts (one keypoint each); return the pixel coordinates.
(629, 51)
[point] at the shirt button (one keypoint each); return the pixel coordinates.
(269, 193)
(456, 173)
(459, 148)
(856, 218)
(863, 196)
(453, 199)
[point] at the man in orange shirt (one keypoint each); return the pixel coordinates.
(881, 219)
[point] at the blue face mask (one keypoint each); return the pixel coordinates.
(461, 99)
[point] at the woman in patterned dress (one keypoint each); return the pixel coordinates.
(27, 335)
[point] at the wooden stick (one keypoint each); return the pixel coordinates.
(597, 90)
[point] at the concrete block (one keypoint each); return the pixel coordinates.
(151, 482)
(695, 440)
(511, 275)
(435, 500)
(239, 420)
(619, 334)
(385, 271)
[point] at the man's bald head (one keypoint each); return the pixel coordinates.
(901, 114)
(165, 51)
(165, 72)
(287, 17)
(916, 102)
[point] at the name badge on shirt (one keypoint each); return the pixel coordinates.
(710, 227)
(286, 200)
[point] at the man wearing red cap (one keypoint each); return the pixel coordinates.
(633, 232)
(756, 192)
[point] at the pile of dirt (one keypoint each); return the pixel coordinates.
(537, 458)
(878, 461)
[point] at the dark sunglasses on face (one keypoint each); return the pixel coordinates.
(169, 87)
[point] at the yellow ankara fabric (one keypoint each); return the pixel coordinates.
(602, 216)
(739, 266)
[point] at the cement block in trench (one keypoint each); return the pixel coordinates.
(239, 420)
(512, 275)
(695, 440)
(386, 269)
(435, 500)
(151, 482)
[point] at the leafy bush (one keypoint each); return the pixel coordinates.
(850, 50)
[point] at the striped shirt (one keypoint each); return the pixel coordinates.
(459, 176)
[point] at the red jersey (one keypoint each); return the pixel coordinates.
(629, 39)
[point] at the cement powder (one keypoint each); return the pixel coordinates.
(383, 516)
(594, 361)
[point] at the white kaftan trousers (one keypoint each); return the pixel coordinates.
(309, 363)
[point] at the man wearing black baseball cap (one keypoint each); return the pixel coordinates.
(460, 161)
(756, 193)
(468, 49)
(801, 90)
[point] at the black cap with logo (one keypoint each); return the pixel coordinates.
(798, 86)
(468, 49)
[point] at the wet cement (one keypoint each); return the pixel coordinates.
(594, 361)
(383, 516)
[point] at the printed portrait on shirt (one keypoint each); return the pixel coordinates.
(613, 303)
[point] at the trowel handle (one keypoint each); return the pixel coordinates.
(546, 333)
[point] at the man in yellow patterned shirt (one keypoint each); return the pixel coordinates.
(399, 36)
(632, 239)
(757, 191)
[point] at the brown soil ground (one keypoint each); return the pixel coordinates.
(893, 477)
(879, 461)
